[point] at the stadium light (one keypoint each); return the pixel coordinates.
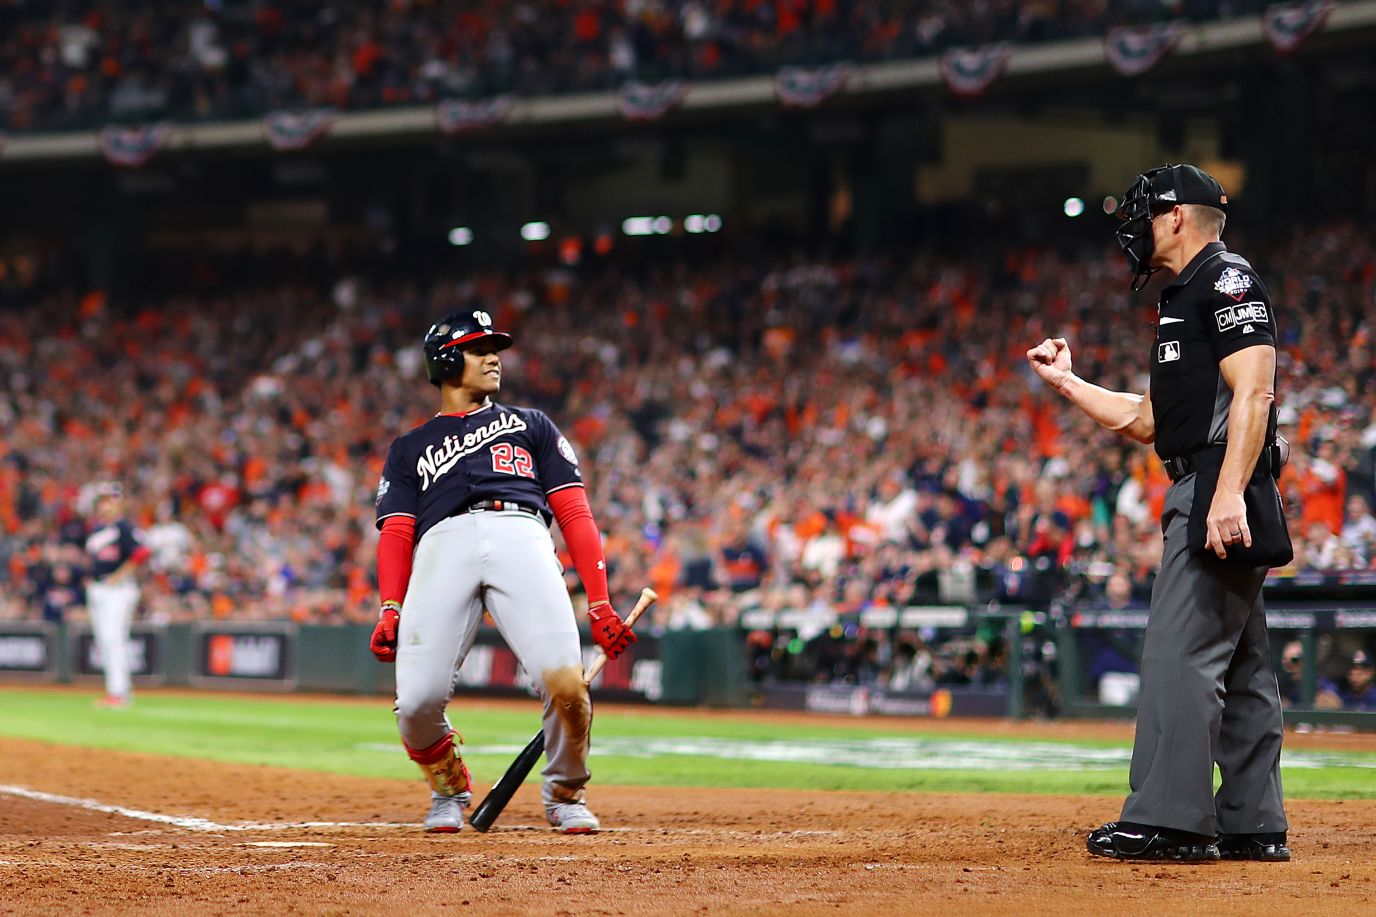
(702, 222)
(460, 235)
(647, 226)
(1110, 205)
(1073, 207)
(535, 232)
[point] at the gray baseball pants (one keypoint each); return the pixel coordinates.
(503, 561)
(1208, 695)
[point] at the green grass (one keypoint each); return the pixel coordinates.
(335, 737)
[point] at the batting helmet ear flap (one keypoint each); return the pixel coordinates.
(449, 337)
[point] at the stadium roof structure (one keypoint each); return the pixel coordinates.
(1020, 61)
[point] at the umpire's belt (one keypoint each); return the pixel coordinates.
(1181, 465)
(1178, 467)
(500, 506)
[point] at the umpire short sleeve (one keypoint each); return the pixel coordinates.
(396, 492)
(1238, 311)
(555, 459)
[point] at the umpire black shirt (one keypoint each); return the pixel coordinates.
(1216, 307)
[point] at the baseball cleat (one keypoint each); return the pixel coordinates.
(114, 702)
(446, 813)
(1129, 841)
(1267, 847)
(572, 818)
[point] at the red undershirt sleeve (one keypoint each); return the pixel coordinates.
(574, 515)
(395, 545)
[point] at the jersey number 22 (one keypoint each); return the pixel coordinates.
(509, 459)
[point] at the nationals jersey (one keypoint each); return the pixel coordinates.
(110, 547)
(455, 460)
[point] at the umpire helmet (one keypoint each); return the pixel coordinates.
(449, 337)
(1153, 192)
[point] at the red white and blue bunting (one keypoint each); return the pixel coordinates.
(1133, 50)
(289, 130)
(131, 147)
(1287, 25)
(457, 115)
(970, 71)
(804, 87)
(650, 101)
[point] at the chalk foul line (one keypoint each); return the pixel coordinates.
(193, 823)
(187, 822)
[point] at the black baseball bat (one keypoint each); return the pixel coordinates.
(502, 791)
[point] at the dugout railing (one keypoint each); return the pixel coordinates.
(1318, 623)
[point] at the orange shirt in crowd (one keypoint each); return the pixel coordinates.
(1323, 502)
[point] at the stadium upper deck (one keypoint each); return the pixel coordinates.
(84, 63)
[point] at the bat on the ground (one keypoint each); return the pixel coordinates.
(515, 775)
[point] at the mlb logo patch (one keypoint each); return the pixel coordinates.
(1168, 352)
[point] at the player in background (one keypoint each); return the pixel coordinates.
(115, 550)
(464, 507)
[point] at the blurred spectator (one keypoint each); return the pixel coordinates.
(1359, 531)
(1290, 674)
(1356, 690)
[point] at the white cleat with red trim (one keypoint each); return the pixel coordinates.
(572, 818)
(446, 813)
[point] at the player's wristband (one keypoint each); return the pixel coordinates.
(391, 604)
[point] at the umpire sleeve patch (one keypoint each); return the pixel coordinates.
(1243, 314)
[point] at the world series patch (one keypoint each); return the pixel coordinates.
(1233, 282)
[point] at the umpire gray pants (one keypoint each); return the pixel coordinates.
(1208, 695)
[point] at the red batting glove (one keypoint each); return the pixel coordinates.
(384, 642)
(608, 630)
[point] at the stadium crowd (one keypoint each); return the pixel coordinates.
(791, 433)
(82, 63)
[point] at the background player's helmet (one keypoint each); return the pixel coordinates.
(109, 489)
(449, 337)
(1162, 187)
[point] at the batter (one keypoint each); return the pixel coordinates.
(464, 506)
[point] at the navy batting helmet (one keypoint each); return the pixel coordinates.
(449, 337)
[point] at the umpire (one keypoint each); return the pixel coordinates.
(1208, 690)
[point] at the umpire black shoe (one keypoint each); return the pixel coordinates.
(1268, 847)
(1128, 841)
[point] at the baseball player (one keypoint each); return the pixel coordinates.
(115, 550)
(464, 507)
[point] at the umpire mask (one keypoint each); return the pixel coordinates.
(1134, 227)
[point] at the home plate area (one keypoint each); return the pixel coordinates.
(123, 833)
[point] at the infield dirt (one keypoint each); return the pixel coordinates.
(668, 851)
